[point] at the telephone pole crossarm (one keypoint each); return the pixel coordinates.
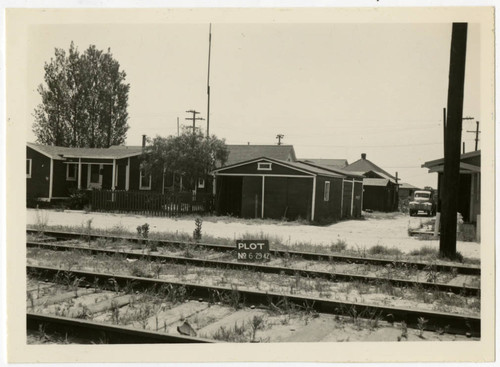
(194, 118)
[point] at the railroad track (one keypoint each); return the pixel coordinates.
(434, 321)
(458, 268)
(333, 276)
(96, 332)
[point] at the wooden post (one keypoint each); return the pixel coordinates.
(313, 203)
(263, 191)
(79, 173)
(51, 178)
(113, 178)
(437, 224)
(352, 197)
(451, 174)
(127, 175)
(342, 200)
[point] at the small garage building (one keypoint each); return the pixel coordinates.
(270, 188)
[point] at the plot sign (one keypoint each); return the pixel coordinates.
(253, 250)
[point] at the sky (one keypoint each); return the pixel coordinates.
(333, 90)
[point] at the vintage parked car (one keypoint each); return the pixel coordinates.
(423, 200)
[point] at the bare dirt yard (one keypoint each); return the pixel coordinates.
(386, 229)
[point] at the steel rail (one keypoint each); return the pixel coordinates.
(459, 268)
(436, 321)
(333, 276)
(111, 334)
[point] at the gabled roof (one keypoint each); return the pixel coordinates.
(305, 168)
(405, 185)
(375, 182)
(333, 163)
(242, 153)
(363, 165)
(334, 170)
(61, 153)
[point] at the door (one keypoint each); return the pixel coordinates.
(94, 176)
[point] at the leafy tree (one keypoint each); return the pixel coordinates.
(84, 100)
(189, 155)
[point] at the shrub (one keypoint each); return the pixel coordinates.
(78, 199)
(338, 246)
(197, 230)
(382, 250)
(425, 251)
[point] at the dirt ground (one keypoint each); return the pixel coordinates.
(390, 230)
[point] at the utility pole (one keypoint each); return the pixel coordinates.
(279, 137)
(453, 138)
(208, 80)
(177, 126)
(194, 119)
(444, 130)
(477, 134)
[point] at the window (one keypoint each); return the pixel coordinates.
(201, 183)
(145, 181)
(28, 168)
(71, 172)
(264, 166)
(326, 195)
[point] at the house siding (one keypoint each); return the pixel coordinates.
(60, 186)
(251, 199)
(38, 185)
(380, 198)
(358, 199)
(331, 209)
(347, 194)
(287, 197)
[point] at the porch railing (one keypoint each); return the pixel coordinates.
(151, 203)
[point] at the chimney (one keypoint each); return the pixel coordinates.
(143, 141)
(363, 155)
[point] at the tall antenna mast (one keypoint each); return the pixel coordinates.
(208, 79)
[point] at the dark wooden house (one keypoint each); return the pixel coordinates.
(271, 188)
(380, 187)
(53, 172)
(469, 187)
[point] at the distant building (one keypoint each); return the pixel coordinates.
(469, 186)
(406, 191)
(380, 187)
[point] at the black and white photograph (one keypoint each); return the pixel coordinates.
(250, 179)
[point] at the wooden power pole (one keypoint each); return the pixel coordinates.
(477, 134)
(208, 79)
(453, 139)
(279, 137)
(194, 119)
